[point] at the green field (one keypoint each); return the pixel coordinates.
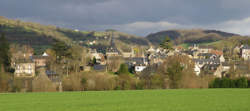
(149, 100)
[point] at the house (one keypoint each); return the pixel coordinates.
(92, 42)
(94, 54)
(157, 59)
(53, 76)
(138, 60)
(178, 48)
(201, 49)
(157, 56)
(206, 61)
(140, 68)
(128, 53)
(200, 64)
(205, 49)
(137, 63)
(189, 53)
(197, 69)
(24, 68)
(40, 61)
(217, 52)
(222, 59)
(100, 58)
(211, 69)
(15, 56)
(206, 56)
(151, 50)
(226, 66)
(245, 52)
(112, 51)
(222, 70)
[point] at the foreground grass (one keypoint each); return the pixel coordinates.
(148, 100)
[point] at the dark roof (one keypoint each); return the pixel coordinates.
(159, 55)
(48, 72)
(99, 67)
(210, 66)
(207, 61)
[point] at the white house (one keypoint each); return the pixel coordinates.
(197, 69)
(140, 68)
(222, 59)
(24, 68)
(245, 52)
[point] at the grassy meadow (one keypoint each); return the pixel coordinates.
(143, 100)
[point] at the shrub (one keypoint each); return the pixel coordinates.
(242, 83)
(42, 83)
(225, 83)
(229, 83)
(73, 83)
(98, 81)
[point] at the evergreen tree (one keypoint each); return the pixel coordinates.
(94, 61)
(167, 44)
(123, 69)
(5, 56)
(61, 49)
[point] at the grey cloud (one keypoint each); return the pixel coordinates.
(101, 14)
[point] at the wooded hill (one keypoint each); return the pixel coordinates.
(42, 36)
(195, 36)
(38, 35)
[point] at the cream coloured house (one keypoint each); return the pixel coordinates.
(245, 52)
(24, 68)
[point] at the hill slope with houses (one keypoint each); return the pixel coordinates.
(43, 36)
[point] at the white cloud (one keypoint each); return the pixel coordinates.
(146, 27)
(241, 27)
(235, 26)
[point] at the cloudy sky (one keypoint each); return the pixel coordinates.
(139, 17)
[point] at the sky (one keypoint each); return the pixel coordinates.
(139, 17)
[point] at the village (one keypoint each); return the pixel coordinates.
(206, 61)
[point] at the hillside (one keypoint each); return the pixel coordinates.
(43, 36)
(38, 35)
(196, 36)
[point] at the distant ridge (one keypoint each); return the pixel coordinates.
(190, 36)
